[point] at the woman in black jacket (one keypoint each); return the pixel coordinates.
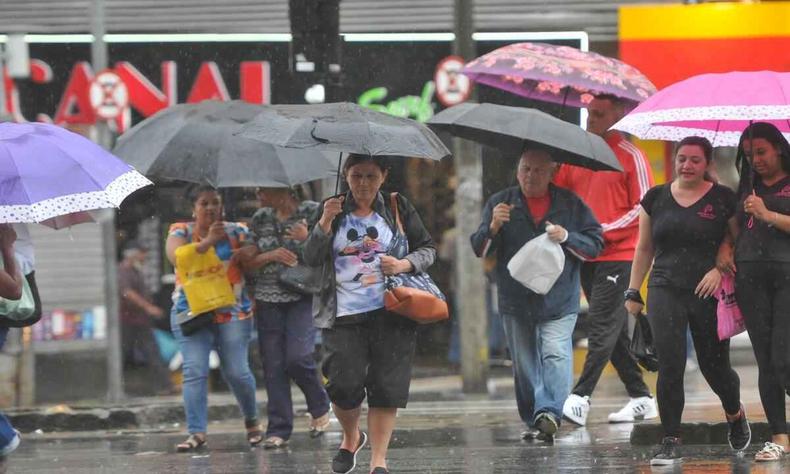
(368, 349)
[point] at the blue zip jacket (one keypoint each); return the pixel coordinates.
(585, 241)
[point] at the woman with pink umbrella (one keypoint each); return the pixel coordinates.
(762, 269)
(748, 110)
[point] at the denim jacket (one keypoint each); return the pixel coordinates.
(585, 241)
(318, 250)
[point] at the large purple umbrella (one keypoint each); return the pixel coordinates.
(559, 74)
(47, 171)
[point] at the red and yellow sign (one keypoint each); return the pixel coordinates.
(669, 43)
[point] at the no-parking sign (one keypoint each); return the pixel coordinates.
(452, 87)
(109, 95)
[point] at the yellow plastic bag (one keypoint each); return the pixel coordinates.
(204, 279)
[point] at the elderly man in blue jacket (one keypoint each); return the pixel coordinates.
(539, 327)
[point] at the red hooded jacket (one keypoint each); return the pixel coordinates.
(613, 197)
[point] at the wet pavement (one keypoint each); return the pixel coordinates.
(475, 435)
(432, 437)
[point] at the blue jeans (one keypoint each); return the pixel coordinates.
(542, 355)
(232, 341)
(8, 437)
(286, 338)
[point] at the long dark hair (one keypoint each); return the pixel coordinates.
(705, 146)
(772, 135)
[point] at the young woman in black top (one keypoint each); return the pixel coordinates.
(681, 226)
(762, 269)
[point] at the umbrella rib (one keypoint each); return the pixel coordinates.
(784, 96)
(21, 182)
(87, 172)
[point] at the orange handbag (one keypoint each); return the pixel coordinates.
(413, 295)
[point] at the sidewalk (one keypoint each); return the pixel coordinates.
(703, 416)
(164, 411)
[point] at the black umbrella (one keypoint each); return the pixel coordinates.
(514, 128)
(347, 128)
(196, 143)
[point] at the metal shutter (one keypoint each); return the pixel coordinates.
(69, 266)
(598, 18)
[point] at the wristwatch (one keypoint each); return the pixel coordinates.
(632, 294)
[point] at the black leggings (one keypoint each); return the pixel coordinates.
(762, 290)
(671, 311)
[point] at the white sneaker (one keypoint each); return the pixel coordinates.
(576, 409)
(642, 408)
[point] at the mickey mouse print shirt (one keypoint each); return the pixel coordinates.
(358, 246)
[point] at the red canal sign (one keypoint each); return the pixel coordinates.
(75, 107)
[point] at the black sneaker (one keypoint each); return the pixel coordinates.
(380, 470)
(668, 454)
(739, 434)
(345, 461)
(547, 424)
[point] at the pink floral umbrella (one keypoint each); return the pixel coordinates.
(558, 74)
(716, 106)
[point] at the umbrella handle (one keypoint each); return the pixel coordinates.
(337, 179)
(312, 133)
(564, 100)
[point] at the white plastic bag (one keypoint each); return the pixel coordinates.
(538, 264)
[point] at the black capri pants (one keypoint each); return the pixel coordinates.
(371, 355)
(670, 311)
(762, 290)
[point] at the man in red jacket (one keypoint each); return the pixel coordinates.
(614, 199)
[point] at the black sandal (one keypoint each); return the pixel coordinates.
(193, 443)
(254, 433)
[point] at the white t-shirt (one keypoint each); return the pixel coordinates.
(358, 246)
(23, 249)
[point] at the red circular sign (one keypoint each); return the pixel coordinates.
(108, 95)
(452, 87)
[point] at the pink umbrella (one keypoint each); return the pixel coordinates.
(716, 106)
(558, 74)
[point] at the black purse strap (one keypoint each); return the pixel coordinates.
(396, 212)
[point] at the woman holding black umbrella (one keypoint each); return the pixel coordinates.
(369, 350)
(762, 269)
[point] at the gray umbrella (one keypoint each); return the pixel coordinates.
(513, 128)
(196, 143)
(345, 127)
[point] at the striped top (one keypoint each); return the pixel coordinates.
(613, 197)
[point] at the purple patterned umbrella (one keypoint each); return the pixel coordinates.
(559, 74)
(47, 171)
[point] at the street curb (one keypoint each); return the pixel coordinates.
(150, 416)
(120, 418)
(646, 434)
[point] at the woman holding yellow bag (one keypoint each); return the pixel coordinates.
(211, 310)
